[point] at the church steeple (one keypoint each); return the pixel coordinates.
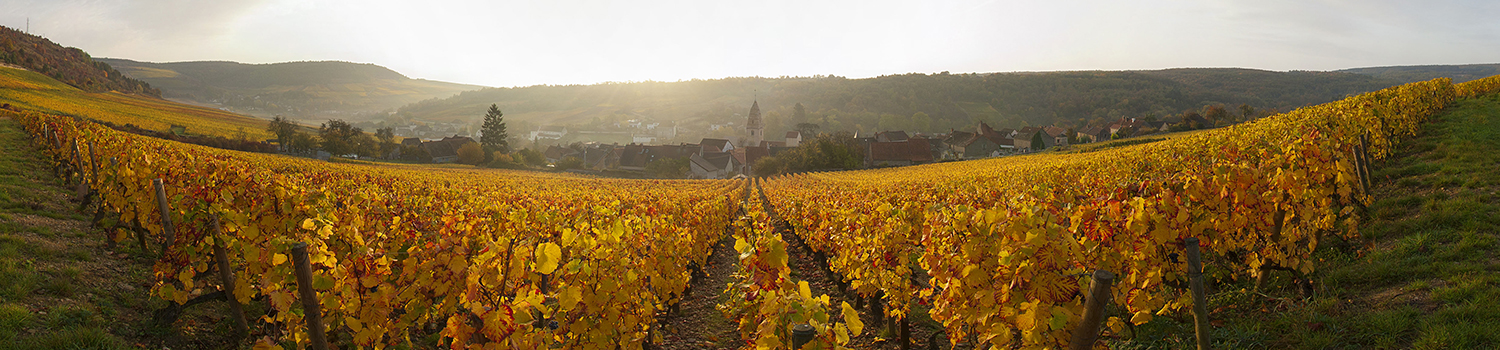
(754, 125)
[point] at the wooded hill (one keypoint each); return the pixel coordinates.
(69, 65)
(1407, 74)
(911, 102)
(309, 90)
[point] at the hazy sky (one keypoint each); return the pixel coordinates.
(515, 43)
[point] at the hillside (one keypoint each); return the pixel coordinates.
(69, 65)
(893, 102)
(1407, 74)
(28, 90)
(327, 89)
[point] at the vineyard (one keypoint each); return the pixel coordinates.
(32, 91)
(1000, 249)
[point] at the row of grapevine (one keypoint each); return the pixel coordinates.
(1008, 242)
(494, 259)
(767, 303)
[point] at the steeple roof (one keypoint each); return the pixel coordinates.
(754, 122)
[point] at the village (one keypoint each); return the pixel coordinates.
(736, 155)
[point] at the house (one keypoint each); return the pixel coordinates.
(555, 154)
(712, 165)
(1157, 126)
(640, 138)
(716, 145)
(1128, 126)
(1093, 134)
(1059, 135)
(445, 150)
(793, 138)
(550, 132)
(891, 136)
(968, 145)
(749, 155)
(1025, 135)
(906, 152)
(635, 157)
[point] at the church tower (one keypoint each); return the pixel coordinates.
(757, 132)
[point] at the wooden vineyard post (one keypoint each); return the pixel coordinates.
(1359, 168)
(312, 313)
(83, 181)
(166, 216)
(241, 330)
(1364, 161)
(1093, 311)
(1200, 306)
(94, 161)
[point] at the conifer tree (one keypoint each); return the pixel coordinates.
(494, 136)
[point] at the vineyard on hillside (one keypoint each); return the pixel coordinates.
(32, 91)
(501, 259)
(1009, 242)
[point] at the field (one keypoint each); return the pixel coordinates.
(32, 91)
(991, 251)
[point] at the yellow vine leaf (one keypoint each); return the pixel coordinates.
(547, 256)
(851, 319)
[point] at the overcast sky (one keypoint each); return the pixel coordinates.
(515, 43)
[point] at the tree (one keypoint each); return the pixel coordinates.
(571, 162)
(670, 168)
(366, 146)
(826, 151)
(1037, 143)
(1216, 114)
(799, 113)
(283, 128)
(301, 144)
(470, 153)
(920, 121)
(339, 137)
(415, 153)
(532, 157)
(387, 137)
(1246, 112)
(493, 137)
(808, 130)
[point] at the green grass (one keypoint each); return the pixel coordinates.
(38, 272)
(1425, 274)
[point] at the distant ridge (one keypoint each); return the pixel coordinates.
(309, 89)
(1407, 74)
(911, 102)
(69, 65)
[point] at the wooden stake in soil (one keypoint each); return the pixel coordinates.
(94, 161)
(1093, 311)
(166, 216)
(236, 313)
(312, 312)
(1364, 160)
(83, 181)
(1200, 306)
